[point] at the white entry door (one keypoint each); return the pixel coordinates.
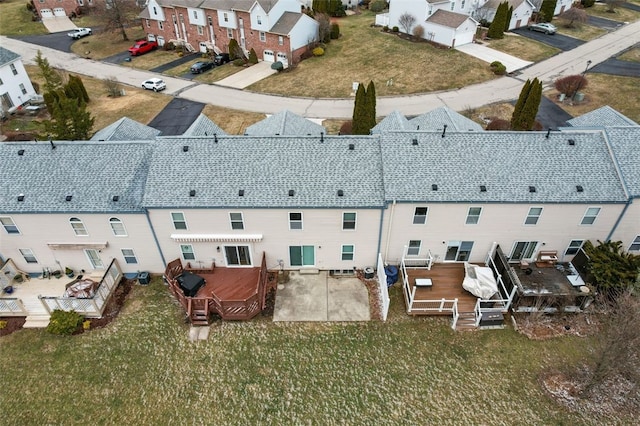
(94, 258)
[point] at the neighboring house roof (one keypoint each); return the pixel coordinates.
(507, 163)
(203, 126)
(266, 169)
(91, 172)
(126, 129)
(7, 56)
(393, 121)
(626, 145)
(266, 5)
(144, 14)
(603, 116)
(285, 123)
(437, 118)
(447, 19)
(493, 4)
(437, 1)
(242, 5)
(285, 24)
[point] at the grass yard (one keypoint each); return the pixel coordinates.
(103, 44)
(620, 14)
(233, 122)
(365, 53)
(581, 31)
(16, 20)
(632, 55)
(142, 369)
(522, 47)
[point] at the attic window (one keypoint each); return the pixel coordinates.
(532, 189)
(483, 188)
(21, 152)
(192, 193)
(291, 193)
(68, 197)
(115, 198)
(241, 193)
(414, 141)
(434, 187)
(21, 197)
(340, 193)
(185, 148)
(579, 188)
(351, 147)
(572, 142)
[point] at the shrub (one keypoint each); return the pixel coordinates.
(277, 66)
(377, 6)
(418, 31)
(3, 324)
(570, 84)
(170, 46)
(30, 7)
(395, 29)
(238, 62)
(499, 124)
(86, 324)
(253, 57)
(498, 68)
(112, 86)
(346, 127)
(64, 322)
(588, 3)
(318, 51)
(385, 28)
(335, 31)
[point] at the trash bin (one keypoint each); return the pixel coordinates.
(143, 278)
(579, 97)
(392, 274)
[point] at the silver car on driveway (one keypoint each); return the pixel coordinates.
(543, 27)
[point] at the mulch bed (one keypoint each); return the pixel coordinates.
(542, 327)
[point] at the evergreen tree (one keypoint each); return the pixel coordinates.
(547, 9)
(253, 57)
(517, 110)
(320, 6)
(52, 78)
(235, 52)
(359, 116)
(507, 20)
(371, 106)
(496, 29)
(527, 116)
(80, 87)
(70, 119)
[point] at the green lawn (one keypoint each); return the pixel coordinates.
(142, 369)
(523, 48)
(16, 20)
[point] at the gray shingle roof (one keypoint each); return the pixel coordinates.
(266, 168)
(285, 24)
(243, 5)
(203, 126)
(447, 19)
(506, 162)
(393, 121)
(285, 123)
(126, 129)
(437, 118)
(601, 117)
(92, 172)
(626, 145)
(7, 56)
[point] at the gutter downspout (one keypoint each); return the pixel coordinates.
(622, 213)
(155, 237)
(386, 249)
(382, 209)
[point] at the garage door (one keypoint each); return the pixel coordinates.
(282, 57)
(160, 41)
(46, 13)
(268, 56)
(59, 11)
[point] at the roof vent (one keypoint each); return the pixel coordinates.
(444, 130)
(351, 147)
(277, 134)
(532, 189)
(434, 187)
(340, 193)
(192, 193)
(215, 137)
(572, 142)
(115, 198)
(68, 197)
(185, 148)
(291, 193)
(53, 146)
(414, 141)
(548, 133)
(20, 197)
(321, 136)
(483, 188)
(579, 188)
(21, 152)
(241, 193)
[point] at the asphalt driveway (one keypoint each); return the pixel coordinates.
(615, 66)
(176, 117)
(606, 24)
(550, 115)
(58, 41)
(559, 41)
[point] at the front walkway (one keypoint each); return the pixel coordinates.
(246, 78)
(57, 24)
(489, 55)
(319, 297)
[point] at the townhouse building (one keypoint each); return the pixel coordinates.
(16, 89)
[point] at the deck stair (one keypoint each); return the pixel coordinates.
(37, 321)
(199, 317)
(466, 321)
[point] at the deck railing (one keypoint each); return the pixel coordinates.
(12, 307)
(418, 262)
(91, 307)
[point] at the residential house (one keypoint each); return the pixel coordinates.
(16, 89)
(285, 123)
(203, 126)
(520, 17)
(276, 30)
(126, 129)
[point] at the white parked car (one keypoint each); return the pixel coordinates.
(544, 27)
(79, 33)
(155, 84)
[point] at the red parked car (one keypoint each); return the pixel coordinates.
(142, 46)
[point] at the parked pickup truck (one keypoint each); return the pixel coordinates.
(78, 33)
(142, 46)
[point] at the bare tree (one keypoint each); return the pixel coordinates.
(112, 86)
(418, 31)
(406, 21)
(324, 27)
(118, 15)
(612, 5)
(573, 16)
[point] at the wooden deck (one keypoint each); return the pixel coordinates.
(447, 284)
(237, 284)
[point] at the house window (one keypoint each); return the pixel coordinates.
(347, 252)
(473, 216)
(148, 23)
(28, 255)
(459, 251)
(1, 82)
(117, 227)
(420, 215)
(590, 216)
(78, 226)
(9, 225)
(259, 19)
(263, 36)
(181, 18)
(453, 5)
(160, 25)
(462, 4)
(301, 255)
(414, 248)
(200, 30)
(533, 216)
(13, 69)
(155, 10)
(635, 245)
(573, 248)
(173, 17)
(225, 17)
(348, 221)
(523, 250)
(229, 33)
(237, 255)
(179, 221)
(280, 40)
(187, 252)
(236, 220)
(129, 256)
(195, 14)
(23, 89)
(295, 220)
(210, 21)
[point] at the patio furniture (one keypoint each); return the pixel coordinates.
(190, 283)
(424, 282)
(547, 259)
(479, 281)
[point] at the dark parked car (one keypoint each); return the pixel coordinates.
(222, 58)
(201, 66)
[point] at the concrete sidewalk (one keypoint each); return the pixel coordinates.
(247, 77)
(489, 55)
